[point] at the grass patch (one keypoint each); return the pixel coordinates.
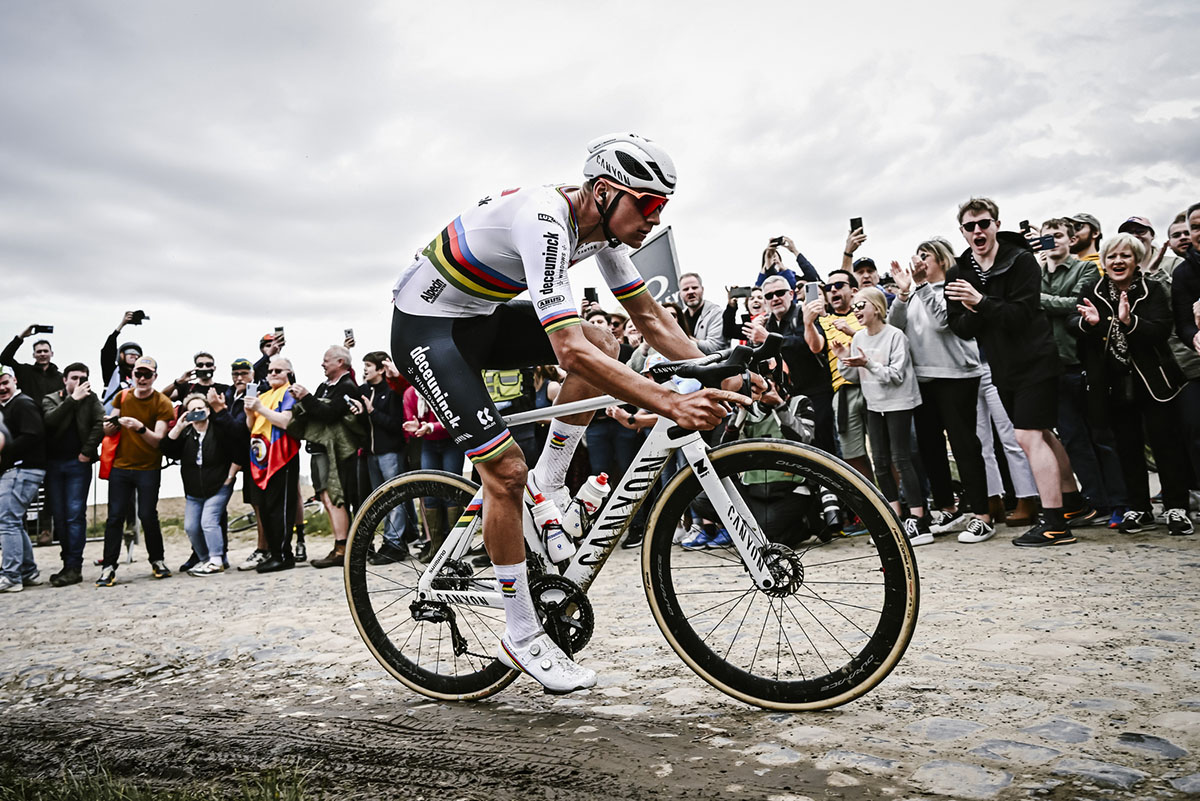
(271, 785)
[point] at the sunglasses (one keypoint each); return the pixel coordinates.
(276, 371)
(836, 285)
(778, 293)
(143, 374)
(859, 306)
(969, 227)
(647, 202)
(204, 366)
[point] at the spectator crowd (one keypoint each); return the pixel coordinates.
(1052, 368)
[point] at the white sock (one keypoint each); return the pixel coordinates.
(561, 442)
(521, 621)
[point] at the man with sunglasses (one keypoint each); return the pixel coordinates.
(993, 294)
(198, 379)
(141, 415)
(838, 327)
(455, 314)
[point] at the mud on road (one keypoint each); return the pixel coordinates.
(1072, 673)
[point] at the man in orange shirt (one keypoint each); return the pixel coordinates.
(140, 415)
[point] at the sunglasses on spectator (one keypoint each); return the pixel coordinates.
(276, 371)
(859, 306)
(647, 202)
(205, 365)
(143, 374)
(778, 293)
(983, 225)
(836, 285)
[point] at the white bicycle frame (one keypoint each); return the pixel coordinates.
(614, 517)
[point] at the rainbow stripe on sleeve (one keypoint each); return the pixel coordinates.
(556, 321)
(492, 448)
(449, 253)
(634, 288)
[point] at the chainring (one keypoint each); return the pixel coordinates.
(565, 612)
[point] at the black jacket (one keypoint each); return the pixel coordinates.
(808, 372)
(1013, 332)
(87, 416)
(1150, 357)
(220, 450)
(1185, 290)
(27, 447)
(34, 381)
(385, 425)
(328, 405)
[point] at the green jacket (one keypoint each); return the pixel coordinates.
(1060, 295)
(341, 438)
(86, 415)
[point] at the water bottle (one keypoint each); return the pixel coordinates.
(559, 546)
(586, 505)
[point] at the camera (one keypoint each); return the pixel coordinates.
(138, 317)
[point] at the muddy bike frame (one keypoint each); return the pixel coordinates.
(601, 539)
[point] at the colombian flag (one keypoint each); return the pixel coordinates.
(271, 447)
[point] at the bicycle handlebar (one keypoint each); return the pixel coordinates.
(711, 370)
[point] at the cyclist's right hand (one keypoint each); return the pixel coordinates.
(704, 409)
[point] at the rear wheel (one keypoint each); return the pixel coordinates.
(444, 651)
(840, 613)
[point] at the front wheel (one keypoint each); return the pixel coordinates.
(840, 612)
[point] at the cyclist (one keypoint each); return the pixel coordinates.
(455, 314)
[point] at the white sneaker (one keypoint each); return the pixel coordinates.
(976, 531)
(546, 663)
(8, 585)
(253, 560)
(947, 522)
(1178, 522)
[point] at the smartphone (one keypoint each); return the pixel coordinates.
(278, 331)
(1025, 226)
(739, 292)
(745, 319)
(589, 294)
(192, 417)
(777, 241)
(349, 333)
(1042, 243)
(855, 224)
(43, 329)
(252, 390)
(812, 291)
(112, 421)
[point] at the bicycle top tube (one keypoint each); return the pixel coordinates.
(562, 410)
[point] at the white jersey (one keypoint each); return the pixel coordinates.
(494, 251)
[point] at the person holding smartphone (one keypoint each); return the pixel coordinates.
(42, 377)
(209, 460)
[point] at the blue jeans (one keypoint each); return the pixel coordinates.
(202, 522)
(441, 454)
(122, 484)
(381, 467)
(67, 483)
(18, 488)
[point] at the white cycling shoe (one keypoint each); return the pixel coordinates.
(560, 494)
(545, 662)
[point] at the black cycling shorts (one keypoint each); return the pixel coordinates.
(442, 358)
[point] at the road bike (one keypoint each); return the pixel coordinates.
(798, 621)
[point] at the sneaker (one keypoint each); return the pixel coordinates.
(546, 663)
(633, 539)
(1135, 522)
(917, 531)
(386, 555)
(947, 522)
(1178, 522)
(1045, 534)
(977, 530)
(1085, 515)
(160, 570)
(8, 585)
(697, 539)
(68, 576)
(192, 561)
(680, 535)
(108, 577)
(206, 569)
(253, 560)
(722, 540)
(1114, 520)
(32, 579)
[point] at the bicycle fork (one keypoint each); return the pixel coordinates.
(732, 510)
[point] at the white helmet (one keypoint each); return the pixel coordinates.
(631, 161)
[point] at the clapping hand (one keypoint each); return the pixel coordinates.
(1089, 313)
(1123, 312)
(843, 352)
(903, 275)
(389, 369)
(963, 292)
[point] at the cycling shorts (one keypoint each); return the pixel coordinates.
(442, 358)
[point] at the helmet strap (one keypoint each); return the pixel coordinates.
(605, 213)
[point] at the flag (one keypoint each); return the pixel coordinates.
(271, 447)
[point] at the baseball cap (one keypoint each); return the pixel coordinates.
(146, 362)
(1135, 224)
(270, 337)
(865, 262)
(1086, 219)
(241, 364)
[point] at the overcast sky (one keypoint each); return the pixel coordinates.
(232, 166)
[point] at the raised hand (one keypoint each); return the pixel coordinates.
(1089, 313)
